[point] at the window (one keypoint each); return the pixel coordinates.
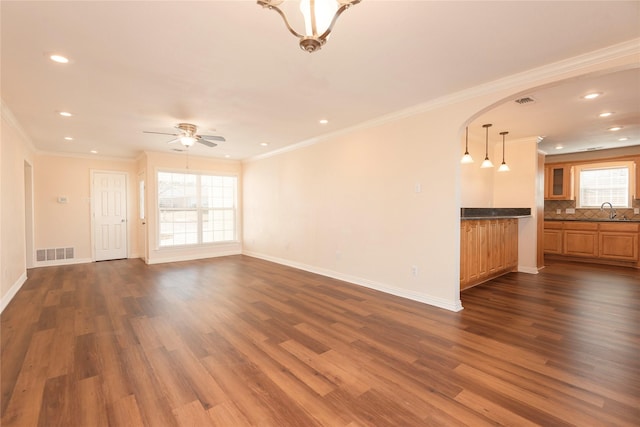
(605, 182)
(196, 209)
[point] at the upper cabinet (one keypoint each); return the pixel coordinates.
(558, 182)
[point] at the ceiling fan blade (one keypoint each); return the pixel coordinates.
(173, 141)
(213, 137)
(161, 133)
(207, 143)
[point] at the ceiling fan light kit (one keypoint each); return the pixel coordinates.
(319, 18)
(188, 136)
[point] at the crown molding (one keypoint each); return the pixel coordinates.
(84, 156)
(7, 115)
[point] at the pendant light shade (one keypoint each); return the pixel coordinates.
(467, 157)
(486, 163)
(503, 167)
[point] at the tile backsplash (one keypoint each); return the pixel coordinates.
(551, 207)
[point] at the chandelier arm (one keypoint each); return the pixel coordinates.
(269, 5)
(342, 8)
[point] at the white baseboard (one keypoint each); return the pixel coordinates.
(13, 290)
(62, 262)
(191, 257)
(529, 270)
(414, 296)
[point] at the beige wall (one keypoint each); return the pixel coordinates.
(346, 207)
(150, 164)
(59, 225)
(518, 188)
(476, 184)
(15, 151)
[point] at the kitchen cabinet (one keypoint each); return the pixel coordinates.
(488, 249)
(469, 252)
(558, 182)
(615, 242)
(580, 239)
(553, 237)
(618, 241)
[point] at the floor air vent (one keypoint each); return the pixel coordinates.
(54, 254)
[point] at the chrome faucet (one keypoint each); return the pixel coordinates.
(612, 211)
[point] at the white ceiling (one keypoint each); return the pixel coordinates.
(233, 69)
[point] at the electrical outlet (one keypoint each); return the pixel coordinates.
(636, 211)
(570, 210)
(558, 211)
(414, 270)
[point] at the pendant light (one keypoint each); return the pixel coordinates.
(486, 163)
(503, 167)
(467, 157)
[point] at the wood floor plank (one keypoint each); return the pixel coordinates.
(125, 412)
(238, 341)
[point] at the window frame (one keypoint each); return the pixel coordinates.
(200, 210)
(631, 181)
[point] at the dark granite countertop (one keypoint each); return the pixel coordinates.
(591, 220)
(494, 213)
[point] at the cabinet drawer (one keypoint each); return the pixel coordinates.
(591, 226)
(619, 226)
(553, 225)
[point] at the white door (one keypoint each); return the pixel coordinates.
(109, 194)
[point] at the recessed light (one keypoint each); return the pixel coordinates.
(226, 156)
(65, 114)
(624, 138)
(93, 152)
(615, 128)
(59, 59)
(592, 95)
(68, 138)
(264, 144)
(559, 147)
(324, 121)
(605, 114)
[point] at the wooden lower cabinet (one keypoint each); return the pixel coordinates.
(618, 241)
(581, 239)
(488, 249)
(553, 238)
(602, 242)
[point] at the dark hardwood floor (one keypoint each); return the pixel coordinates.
(238, 341)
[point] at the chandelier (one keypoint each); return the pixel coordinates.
(319, 18)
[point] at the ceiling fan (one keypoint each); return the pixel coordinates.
(187, 136)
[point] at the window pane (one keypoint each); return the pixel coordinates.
(190, 202)
(179, 227)
(177, 190)
(598, 186)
